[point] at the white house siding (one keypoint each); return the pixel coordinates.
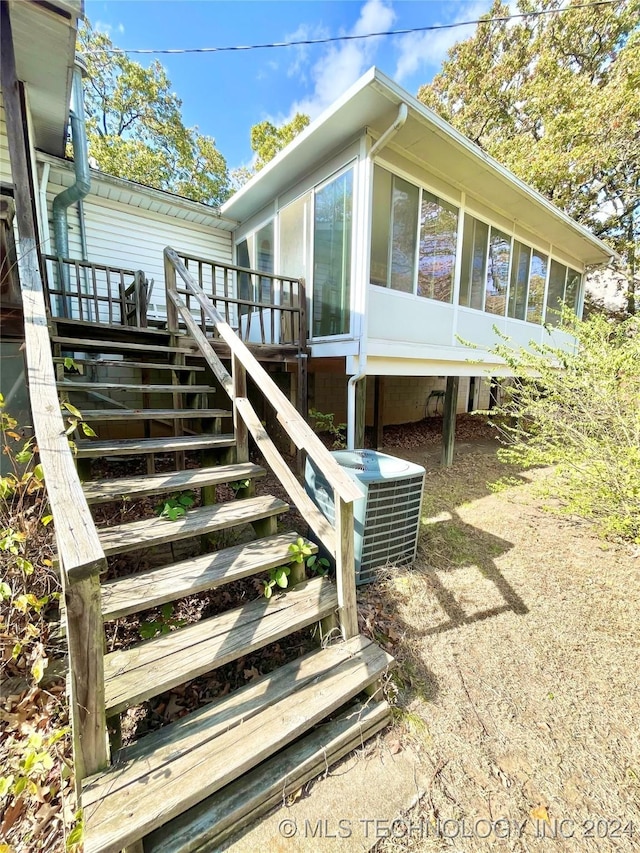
(134, 238)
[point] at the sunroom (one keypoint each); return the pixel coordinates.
(411, 240)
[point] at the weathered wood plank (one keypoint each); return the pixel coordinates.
(150, 589)
(214, 820)
(152, 414)
(170, 659)
(88, 345)
(144, 365)
(309, 510)
(72, 385)
(148, 532)
(101, 491)
(345, 569)
(114, 819)
(129, 446)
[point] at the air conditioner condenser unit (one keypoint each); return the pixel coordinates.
(386, 518)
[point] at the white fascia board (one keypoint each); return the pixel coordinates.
(169, 202)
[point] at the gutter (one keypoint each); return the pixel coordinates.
(79, 189)
(390, 132)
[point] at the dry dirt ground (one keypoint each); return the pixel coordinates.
(516, 636)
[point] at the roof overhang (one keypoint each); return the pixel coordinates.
(372, 103)
(138, 195)
(44, 37)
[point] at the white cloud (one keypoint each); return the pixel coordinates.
(341, 64)
(420, 51)
(108, 29)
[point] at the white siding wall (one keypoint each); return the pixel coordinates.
(134, 238)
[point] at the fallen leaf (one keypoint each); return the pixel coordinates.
(540, 813)
(395, 747)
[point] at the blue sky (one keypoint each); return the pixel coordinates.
(224, 94)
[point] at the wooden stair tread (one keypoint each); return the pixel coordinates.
(72, 385)
(117, 362)
(131, 446)
(147, 532)
(110, 329)
(101, 491)
(152, 414)
(234, 807)
(134, 593)
(151, 667)
(177, 767)
(80, 345)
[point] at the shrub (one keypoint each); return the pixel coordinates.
(580, 412)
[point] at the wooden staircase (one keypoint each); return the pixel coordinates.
(193, 782)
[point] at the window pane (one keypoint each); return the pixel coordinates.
(537, 278)
(243, 257)
(497, 272)
(555, 294)
(572, 292)
(332, 257)
(404, 234)
(264, 260)
(519, 281)
(294, 243)
(474, 262)
(380, 226)
(438, 242)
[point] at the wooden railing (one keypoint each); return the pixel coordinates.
(96, 293)
(80, 555)
(338, 540)
(261, 307)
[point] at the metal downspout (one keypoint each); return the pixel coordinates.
(79, 189)
(403, 112)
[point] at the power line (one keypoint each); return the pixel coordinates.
(332, 39)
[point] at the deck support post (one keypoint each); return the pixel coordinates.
(345, 568)
(361, 411)
(449, 420)
(378, 413)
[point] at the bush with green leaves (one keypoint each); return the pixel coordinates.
(579, 411)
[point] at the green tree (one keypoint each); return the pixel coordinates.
(267, 139)
(580, 412)
(135, 128)
(556, 98)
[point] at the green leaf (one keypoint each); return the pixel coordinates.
(24, 565)
(268, 589)
(46, 520)
(75, 836)
(69, 363)
(186, 500)
(86, 429)
(38, 668)
(38, 472)
(72, 410)
(5, 785)
(5, 591)
(19, 785)
(167, 610)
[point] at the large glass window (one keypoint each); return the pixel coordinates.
(438, 242)
(380, 226)
(332, 229)
(564, 289)
(256, 252)
(519, 285)
(497, 272)
(404, 235)
(474, 262)
(537, 279)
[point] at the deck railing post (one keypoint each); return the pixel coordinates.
(345, 568)
(239, 375)
(171, 287)
(85, 638)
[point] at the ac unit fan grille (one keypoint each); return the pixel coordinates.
(391, 523)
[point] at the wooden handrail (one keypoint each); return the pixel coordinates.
(297, 428)
(80, 554)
